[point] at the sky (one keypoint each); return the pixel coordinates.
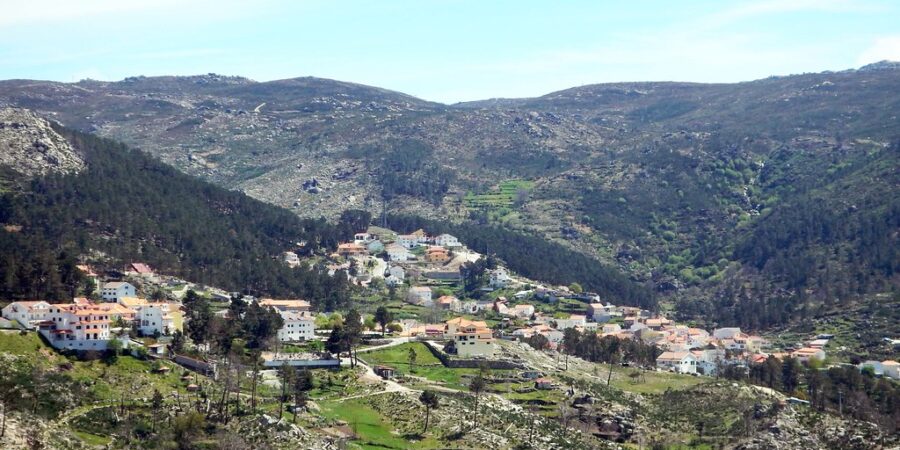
(446, 50)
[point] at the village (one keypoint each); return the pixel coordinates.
(420, 271)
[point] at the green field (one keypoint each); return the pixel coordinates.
(503, 196)
(374, 430)
(427, 366)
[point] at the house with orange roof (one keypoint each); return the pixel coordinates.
(76, 327)
(681, 362)
(27, 313)
(448, 302)
(470, 337)
(437, 254)
(806, 353)
(295, 305)
(115, 311)
(132, 302)
(573, 321)
(351, 249)
(139, 269)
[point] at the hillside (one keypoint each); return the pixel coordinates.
(124, 206)
(705, 192)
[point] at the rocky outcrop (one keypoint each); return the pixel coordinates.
(30, 146)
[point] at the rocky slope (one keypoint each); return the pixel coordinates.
(29, 145)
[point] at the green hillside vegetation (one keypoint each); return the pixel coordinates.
(133, 208)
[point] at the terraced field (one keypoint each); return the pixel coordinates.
(503, 197)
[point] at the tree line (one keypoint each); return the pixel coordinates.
(538, 259)
(843, 389)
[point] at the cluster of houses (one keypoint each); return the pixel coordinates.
(382, 254)
(87, 325)
(685, 349)
(399, 249)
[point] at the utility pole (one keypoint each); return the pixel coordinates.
(841, 402)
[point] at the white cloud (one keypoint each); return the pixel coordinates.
(887, 47)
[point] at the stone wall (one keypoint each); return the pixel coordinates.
(455, 363)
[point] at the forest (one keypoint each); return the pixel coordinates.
(538, 259)
(128, 207)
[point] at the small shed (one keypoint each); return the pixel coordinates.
(543, 383)
(384, 372)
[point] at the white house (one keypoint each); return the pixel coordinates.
(291, 259)
(574, 320)
(408, 240)
(419, 295)
(891, 369)
(76, 327)
(471, 338)
(446, 240)
(681, 362)
(807, 353)
(708, 360)
(27, 313)
(523, 311)
(877, 368)
(397, 252)
(298, 326)
(612, 328)
(160, 318)
(115, 290)
(500, 278)
(398, 272)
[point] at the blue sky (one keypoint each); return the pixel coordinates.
(449, 50)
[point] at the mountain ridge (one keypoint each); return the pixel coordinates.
(662, 179)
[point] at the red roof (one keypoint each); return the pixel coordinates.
(141, 268)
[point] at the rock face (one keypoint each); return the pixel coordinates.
(31, 147)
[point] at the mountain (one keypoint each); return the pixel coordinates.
(740, 203)
(30, 146)
(123, 206)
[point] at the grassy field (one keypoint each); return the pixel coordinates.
(427, 366)
(374, 431)
(504, 196)
(652, 382)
